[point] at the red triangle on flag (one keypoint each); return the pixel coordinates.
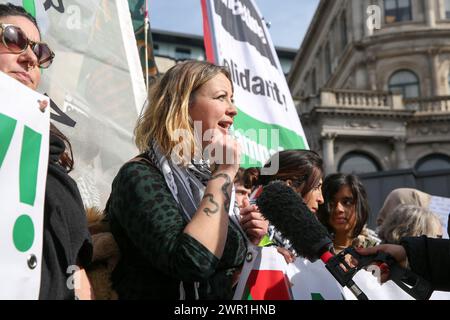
(268, 285)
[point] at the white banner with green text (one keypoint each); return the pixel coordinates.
(24, 134)
(236, 37)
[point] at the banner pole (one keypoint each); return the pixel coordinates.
(146, 28)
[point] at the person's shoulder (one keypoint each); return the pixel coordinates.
(138, 174)
(138, 167)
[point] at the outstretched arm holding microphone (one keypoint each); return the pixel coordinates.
(429, 258)
(284, 208)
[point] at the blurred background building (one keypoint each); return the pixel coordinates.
(376, 99)
(170, 47)
(371, 82)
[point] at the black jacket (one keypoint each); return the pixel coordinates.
(430, 258)
(66, 237)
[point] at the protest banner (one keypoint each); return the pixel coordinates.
(263, 276)
(266, 276)
(369, 283)
(24, 144)
(441, 206)
(96, 85)
(312, 281)
(236, 36)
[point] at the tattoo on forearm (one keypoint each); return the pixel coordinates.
(226, 189)
(215, 209)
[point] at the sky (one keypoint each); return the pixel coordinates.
(289, 19)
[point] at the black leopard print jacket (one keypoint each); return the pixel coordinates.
(156, 255)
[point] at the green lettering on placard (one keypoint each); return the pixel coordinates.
(29, 163)
(7, 127)
(30, 7)
(316, 296)
(23, 232)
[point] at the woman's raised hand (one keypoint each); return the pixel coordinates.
(224, 153)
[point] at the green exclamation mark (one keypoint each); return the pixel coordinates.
(7, 127)
(29, 7)
(23, 232)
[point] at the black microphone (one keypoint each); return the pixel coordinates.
(286, 210)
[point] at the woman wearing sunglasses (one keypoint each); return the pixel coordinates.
(66, 241)
(20, 56)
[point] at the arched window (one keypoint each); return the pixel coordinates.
(397, 10)
(357, 162)
(405, 82)
(433, 162)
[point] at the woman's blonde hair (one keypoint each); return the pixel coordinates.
(408, 221)
(166, 119)
(402, 196)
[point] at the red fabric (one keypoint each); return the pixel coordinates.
(268, 285)
(207, 36)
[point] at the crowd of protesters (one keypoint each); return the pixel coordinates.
(183, 221)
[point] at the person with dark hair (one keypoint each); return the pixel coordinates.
(345, 210)
(302, 170)
(251, 221)
(66, 240)
(242, 187)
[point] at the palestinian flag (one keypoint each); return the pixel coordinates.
(267, 285)
(265, 278)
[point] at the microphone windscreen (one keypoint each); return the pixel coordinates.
(285, 209)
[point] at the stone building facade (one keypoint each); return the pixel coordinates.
(372, 84)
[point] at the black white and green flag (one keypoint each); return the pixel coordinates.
(237, 37)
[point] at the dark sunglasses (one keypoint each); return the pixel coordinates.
(17, 42)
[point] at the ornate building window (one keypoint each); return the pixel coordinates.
(405, 82)
(357, 162)
(433, 162)
(397, 10)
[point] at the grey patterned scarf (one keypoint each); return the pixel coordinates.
(188, 184)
